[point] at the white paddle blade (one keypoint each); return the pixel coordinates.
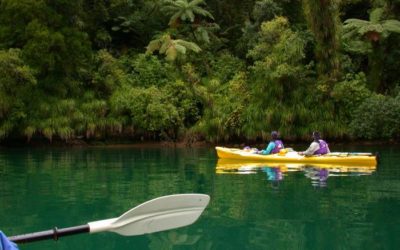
(163, 213)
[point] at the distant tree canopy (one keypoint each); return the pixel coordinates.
(186, 70)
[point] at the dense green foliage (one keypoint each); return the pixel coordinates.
(194, 69)
(377, 117)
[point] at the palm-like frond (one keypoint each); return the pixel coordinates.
(354, 23)
(165, 44)
(170, 47)
(376, 15)
(202, 12)
(202, 33)
(180, 48)
(184, 10)
(188, 15)
(353, 27)
(357, 47)
(171, 53)
(189, 45)
(371, 27)
(153, 45)
(392, 26)
(196, 2)
(174, 18)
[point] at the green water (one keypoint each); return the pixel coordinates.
(250, 208)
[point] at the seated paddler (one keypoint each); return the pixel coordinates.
(274, 146)
(317, 146)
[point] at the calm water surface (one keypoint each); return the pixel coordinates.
(251, 207)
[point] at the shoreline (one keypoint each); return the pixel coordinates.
(179, 144)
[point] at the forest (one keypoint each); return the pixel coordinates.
(199, 70)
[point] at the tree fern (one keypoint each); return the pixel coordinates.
(184, 10)
(366, 37)
(170, 47)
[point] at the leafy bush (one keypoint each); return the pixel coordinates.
(377, 117)
(225, 66)
(349, 94)
(223, 112)
(16, 82)
(49, 117)
(280, 89)
(148, 109)
(108, 74)
(148, 70)
(187, 103)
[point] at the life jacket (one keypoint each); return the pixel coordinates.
(323, 148)
(278, 146)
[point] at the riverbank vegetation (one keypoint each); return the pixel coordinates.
(182, 70)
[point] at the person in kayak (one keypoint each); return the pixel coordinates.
(274, 146)
(317, 147)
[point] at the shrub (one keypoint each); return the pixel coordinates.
(377, 117)
(349, 94)
(148, 70)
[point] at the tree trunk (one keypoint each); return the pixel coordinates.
(322, 19)
(375, 67)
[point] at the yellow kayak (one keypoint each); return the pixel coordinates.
(340, 158)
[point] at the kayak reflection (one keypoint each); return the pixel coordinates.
(318, 176)
(226, 166)
(275, 173)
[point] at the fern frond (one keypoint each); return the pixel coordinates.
(180, 49)
(153, 46)
(370, 28)
(196, 2)
(203, 12)
(188, 15)
(392, 26)
(189, 45)
(174, 18)
(171, 53)
(376, 15)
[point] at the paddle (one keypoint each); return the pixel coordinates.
(156, 215)
(351, 154)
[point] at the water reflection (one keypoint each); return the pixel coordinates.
(318, 176)
(172, 239)
(66, 187)
(274, 175)
(275, 172)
